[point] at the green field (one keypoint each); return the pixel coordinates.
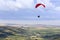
(29, 33)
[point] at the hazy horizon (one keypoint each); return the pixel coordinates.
(43, 22)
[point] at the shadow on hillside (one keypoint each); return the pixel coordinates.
(4, 33)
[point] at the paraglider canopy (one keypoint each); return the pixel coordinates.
(39, 4)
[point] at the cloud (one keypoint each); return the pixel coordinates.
(25, 4)
(15, 4)
(57, 8)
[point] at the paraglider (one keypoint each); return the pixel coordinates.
(38, 16)
(39, 4)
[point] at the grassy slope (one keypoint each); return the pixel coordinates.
(14, 33)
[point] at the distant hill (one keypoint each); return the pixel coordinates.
(30, 25)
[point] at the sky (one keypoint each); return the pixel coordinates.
(24, 10)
